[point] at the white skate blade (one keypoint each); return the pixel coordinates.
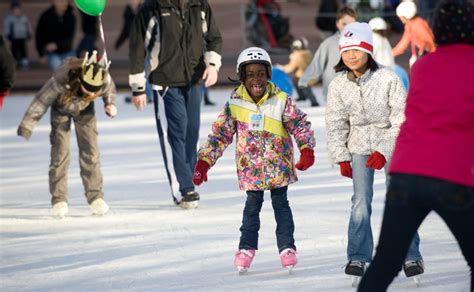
(290, 269)
(189, 205)
(242, 270)
(355, 281)
(416, 280)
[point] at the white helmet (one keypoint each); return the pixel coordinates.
(254, 55)
(377, 23)
(406, 9)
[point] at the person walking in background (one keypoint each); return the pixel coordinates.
(382, 48)
(55, 33)
(70, 93)
(417, 33)
(129, 13)
(7, 71)
(262, 117)
(168, 36)
(432, 164)
(90, 31)
(321, 68)
(363, 115)
(17, 29)
(299, 59)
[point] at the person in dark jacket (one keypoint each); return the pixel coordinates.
(433, 162)
(55, 33)
(7, 71)
(90, 31)
(129, 14)
(181, 45)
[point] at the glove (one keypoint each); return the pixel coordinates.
(200, 172)
(346, 169)
(24, 132)
(3, 94)
(306, 159)
(376, 160)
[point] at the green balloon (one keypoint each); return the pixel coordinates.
(91, 7)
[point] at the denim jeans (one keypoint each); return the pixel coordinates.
(251, 220)
(360, 241)
(56, 59)
(410, 198)
(182, 107)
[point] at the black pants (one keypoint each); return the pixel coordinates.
(19, 49)
(409, 199)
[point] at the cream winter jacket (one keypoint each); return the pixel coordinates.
(364, 114)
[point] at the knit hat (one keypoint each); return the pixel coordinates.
(453, 22)
(356, 36)
(406, 9)
(93, 72)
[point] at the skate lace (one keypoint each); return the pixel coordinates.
(358, 264)
(244, 252)
(409, 264)
(288, 252)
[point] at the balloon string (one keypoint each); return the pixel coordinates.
(101, 29)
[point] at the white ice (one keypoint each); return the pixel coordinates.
(145, 243)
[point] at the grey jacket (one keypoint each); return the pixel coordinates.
(52, 90)
(322, 66)
(364, 114)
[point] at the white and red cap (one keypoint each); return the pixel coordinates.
(356, 36)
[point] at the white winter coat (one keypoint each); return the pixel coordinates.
(364, 114)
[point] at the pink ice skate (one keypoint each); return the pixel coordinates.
(243, 259)
(288, 258)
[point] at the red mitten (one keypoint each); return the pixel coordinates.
(3, 94)
(376, 160)
(306, 159)
(200, 172)
(346, 169)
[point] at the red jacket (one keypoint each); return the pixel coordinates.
(437, 138)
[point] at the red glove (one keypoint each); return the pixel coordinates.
(346, 169)
(306, 159)
(376, 160)
(200, 172)
(3, 94)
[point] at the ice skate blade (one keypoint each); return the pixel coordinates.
(242, 270)
(189, 205)
(290, 269)
(355, 281)
(416, 280)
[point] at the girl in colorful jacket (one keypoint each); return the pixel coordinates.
(363, 117)
(70, 93)
(262, 117)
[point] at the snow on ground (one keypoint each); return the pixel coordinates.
(146, 243)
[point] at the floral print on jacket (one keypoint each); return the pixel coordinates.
(264, 158)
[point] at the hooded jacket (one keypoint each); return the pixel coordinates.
(176, 43)
(264, 158)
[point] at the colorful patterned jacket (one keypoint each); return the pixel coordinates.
(264, 157)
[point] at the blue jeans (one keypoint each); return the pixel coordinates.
(183, 115)
(409, 199)
(283, 217)
(360, 241)
(56, 59)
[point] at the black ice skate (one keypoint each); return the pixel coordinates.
(190, 200)
(413, 268)
(356, 269)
